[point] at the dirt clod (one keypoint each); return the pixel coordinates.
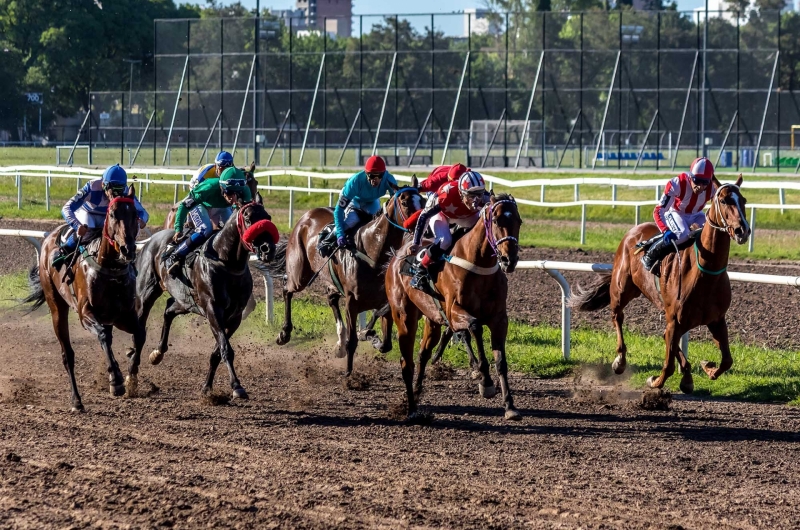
(656, 399)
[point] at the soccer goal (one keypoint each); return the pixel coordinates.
(510, 134)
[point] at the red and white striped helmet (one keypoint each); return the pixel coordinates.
(471, 182)
(701, 170)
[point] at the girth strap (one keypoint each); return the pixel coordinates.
(471, 267)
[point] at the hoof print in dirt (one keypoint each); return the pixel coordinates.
(656, 399)
(356, 381)
(441, 372)
(215, 399)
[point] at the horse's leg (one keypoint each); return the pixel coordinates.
(157, 355)
(486, 386)
(226, 353)
(213, 363)
(59, 311)
(671, 339)
(104, 335)
(719, 330)
(473, 361)
(407, 319)
(286, 332)
(685, 367)
(430, 337)
(446, 336)
(499, 331)
(385, 345)
(133, 325)
(333, 303)
(620, 297)
(350, 333)
(367, 332)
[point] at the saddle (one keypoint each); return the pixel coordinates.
(644, 246)
(411, 263)
(87, 251)
(188, 262)
(326, 241)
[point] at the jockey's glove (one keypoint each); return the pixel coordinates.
(669, 237)
(341, 242)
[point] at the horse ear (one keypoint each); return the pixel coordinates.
(739, 180)
(252, 167)
(491, 194)
(131, 191)
(414, 180)
(716, 182)
(259, 200)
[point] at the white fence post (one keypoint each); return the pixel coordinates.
(752, 229)
(19, 192)
(636, 219)
(782, 198)
(613, 195)
(583, 224)
(291, 208)
(47, 190)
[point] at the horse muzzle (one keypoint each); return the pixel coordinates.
(508, 264)
(127, 253)
(741, 234)
(265, 252)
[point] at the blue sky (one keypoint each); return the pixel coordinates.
(365, 7)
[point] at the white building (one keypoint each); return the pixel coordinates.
(477, 21)
(720, 9)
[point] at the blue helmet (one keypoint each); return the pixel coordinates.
(224, 159)
(115, 176)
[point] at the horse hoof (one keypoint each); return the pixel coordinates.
(130, 353)
(116, 390)
(282, 339)
(513, 414)
(340, 353)
(687, 387)
(365, 334)
(709, 367)
(239, 393)
(487, 392)
(618, 366)
(77, 408)
(156, 357)
(131, 385)
(377, 343)
(475, 374)
(650, 381)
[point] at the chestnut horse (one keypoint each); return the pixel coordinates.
(101, 288)
(694, 289)
(216, 285)
(359, 274)
(473, 289)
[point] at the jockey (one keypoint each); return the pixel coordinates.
(361, 193)
(209, 171)
(212, 193)
(86, 210)
(440, 176)
(681, 207)
(453, 204)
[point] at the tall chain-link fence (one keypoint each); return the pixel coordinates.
(595, 89)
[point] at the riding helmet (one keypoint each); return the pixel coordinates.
(224, 159)
(701, 169)
(471, 182)
(232, 180)
(375, 164)
(115, 176)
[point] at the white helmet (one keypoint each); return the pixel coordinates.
(472, 183)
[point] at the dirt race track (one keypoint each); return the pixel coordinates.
(308, 451)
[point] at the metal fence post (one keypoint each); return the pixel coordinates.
(752, 230)
(782, 198)
(636, 217)
(19, 192)
(583, 224)
(47, 190)
(291, 208)
(613, 195)
(566, 312)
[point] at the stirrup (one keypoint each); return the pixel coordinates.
(172, 264)
(420, 279)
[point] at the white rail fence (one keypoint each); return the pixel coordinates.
(78, 173)
(553, 268)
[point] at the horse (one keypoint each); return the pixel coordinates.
(252, 183)
(355, 274)
(215, 285)
(471, 293)
(100, 287)
(694, 290)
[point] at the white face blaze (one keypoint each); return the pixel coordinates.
(417, 202)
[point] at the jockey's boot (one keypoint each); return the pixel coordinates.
(652, 258)
(173, 262)
(421, 278)
(61, 254)
(327, 245)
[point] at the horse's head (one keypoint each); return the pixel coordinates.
(502, 221)
(122, 224)
(256, 230)
(249, 173)
(405, 202)
(727, 211)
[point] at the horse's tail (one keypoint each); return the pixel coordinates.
(596, 295)
(37, 293)
(276, 267)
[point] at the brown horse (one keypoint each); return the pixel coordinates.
(359, 274)
(473, 289)
(216, 285)
(252, 183)
(101, 288)
(694, 289)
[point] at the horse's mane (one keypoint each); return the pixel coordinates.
(504, 197)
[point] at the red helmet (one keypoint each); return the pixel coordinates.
(701, 171)
(375, 164)
(471, 182)
(455, 171)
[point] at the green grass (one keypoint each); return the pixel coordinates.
(13, 288)
(758, 374)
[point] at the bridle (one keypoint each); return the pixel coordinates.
(724, 226)
(397, 209)
(487, 213)
(240, 225)
(108, 212)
